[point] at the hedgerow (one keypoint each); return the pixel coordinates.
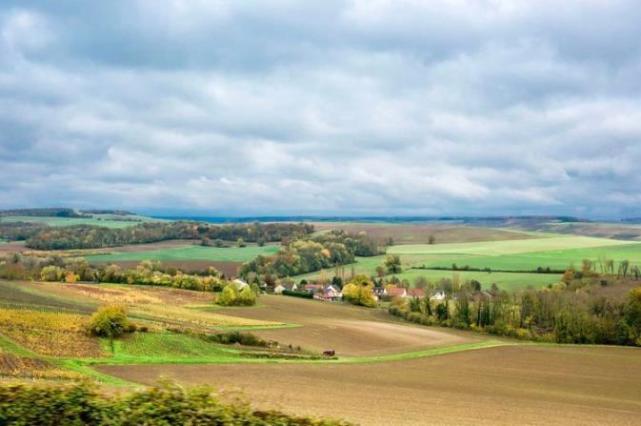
(165, 404)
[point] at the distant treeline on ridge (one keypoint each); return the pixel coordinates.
(43, 237)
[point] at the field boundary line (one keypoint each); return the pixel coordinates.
(425, 353)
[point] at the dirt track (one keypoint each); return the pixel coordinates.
(507, 385)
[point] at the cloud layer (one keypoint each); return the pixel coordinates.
(328, 107)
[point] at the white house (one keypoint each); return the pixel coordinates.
(438, 296)
(240, 284)
(332, 293)
(279, 289)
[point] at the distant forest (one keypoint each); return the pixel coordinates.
(43, 237)
(62, 212)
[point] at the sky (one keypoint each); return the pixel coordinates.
(322, 107)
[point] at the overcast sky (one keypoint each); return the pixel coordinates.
(322, 107)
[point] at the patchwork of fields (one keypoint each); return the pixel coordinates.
(185, 256)
(386, 371)
(420, 233)
(520, 257)
(503, 385)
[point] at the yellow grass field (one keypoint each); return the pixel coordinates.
(49, 333)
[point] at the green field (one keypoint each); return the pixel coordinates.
(166, 346)
(557, 252)
(189, 253)
(108, 221)
(495, 248)
(554, 259)
(509, 281)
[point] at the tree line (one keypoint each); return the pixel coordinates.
(585, 307)
(44, 237)
(305, 255)
(71, 270)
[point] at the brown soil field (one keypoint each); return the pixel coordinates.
(349, 330)
(420, 233)
(546, 385)
(601, 230)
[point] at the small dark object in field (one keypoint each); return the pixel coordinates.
(329, 352)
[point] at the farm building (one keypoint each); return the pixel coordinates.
(416, 292)
(393, 291)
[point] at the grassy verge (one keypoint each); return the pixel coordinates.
(10, 346)
(425, 353)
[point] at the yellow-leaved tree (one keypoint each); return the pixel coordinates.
(360, 291)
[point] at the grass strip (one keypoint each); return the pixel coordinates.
(425, 353)
(13, 348)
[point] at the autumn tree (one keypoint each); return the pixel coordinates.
(393, 263)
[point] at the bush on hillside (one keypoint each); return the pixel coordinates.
(230, 296)
(233, 337)
(110, 321)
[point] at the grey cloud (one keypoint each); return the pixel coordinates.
(365, 107)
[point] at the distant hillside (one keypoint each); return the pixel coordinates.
(44, 212)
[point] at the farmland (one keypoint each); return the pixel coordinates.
(502, 385)
(420, 233)
(187, 253)
(392, 368)
(385, 370)
(555, 259)
(520, 257)
(185, 256)
(108, 221)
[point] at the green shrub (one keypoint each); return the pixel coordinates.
(110, 321)
(52, 273)
(166, 404)
(246, 297)
(230, 296)
(301, 294)
(232, 337)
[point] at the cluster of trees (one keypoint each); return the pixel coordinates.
(311, 254)
(43, 237)
(70, 270)
(586, 307)
(232, 296)
(165, 404)
(19, 231)
(360, 291)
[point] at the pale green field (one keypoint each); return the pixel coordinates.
(509, 281)
(108, 221)
(554, 259)
(189, 252)
(557, 252)
(495, 248)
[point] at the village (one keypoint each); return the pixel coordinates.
(333, 293)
